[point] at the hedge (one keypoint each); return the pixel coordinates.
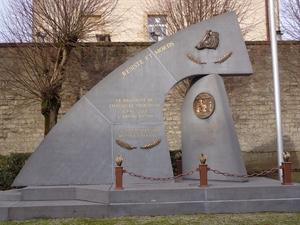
(10, 166)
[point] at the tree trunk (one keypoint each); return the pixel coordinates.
(50, 110)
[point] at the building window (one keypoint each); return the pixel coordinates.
(41, 36)
(157, 28)
(103, 37)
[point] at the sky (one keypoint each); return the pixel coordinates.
(2, 3)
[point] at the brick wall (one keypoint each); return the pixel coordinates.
(251, 99)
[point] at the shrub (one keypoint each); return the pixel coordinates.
(173, 160)
(10, 166)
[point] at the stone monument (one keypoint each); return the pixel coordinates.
(122, 114)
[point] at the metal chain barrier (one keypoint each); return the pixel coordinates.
(203, 170)
(264, 173)
(160, 179)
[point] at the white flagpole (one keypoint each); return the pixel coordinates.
(276, 84)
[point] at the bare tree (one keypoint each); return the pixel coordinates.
(290, 19)
(46, 33)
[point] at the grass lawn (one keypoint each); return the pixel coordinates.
(199, 219)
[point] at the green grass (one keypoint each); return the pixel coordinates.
(202, 219)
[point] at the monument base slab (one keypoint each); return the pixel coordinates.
(164, 198)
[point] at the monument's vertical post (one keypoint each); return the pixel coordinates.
(207, 126)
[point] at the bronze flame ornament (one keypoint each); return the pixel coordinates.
(204, 105)
(178, 156)
(202, 158)
(286, 156)
(119, 160)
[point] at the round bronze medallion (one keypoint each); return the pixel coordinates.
(204, 105)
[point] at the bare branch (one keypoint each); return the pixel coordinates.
(46, 33)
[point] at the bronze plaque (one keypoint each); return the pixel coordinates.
(204, 105)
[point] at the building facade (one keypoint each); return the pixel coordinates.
(141, 22)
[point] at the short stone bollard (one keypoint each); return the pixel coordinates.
(203, 170)
(286, 173)
(179, 167)
(119, 173)
(119, 178)
(203, 175)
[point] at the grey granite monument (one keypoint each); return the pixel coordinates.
(122, 114)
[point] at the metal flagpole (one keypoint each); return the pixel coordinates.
(276, 85)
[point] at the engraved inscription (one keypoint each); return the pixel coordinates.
(138, 133)
(164, 47)
(132, 67)
(134, 108)
(148, 57)
(204, 105)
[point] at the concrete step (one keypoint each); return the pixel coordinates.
(26, 210)
(204, 207)
(10, 195)
(185, 191)
(92, 193)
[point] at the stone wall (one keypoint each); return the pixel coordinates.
(251, 99)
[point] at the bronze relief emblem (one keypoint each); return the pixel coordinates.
(204, 105)
(209, 41)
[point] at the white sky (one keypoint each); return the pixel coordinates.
(2, 2)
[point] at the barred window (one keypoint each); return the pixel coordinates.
(157, 27)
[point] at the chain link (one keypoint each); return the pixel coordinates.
(160, 178)
(264, 173)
